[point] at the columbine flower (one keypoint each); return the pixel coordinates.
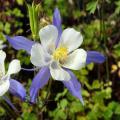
(57, 51)
(66, 54)
(6, 83)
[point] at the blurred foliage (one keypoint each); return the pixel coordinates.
(99, 22)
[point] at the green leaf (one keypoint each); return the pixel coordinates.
(117, 10)
(63, 103)
(117, 110)
(85, 93)
(1, 26)
(16, 12)
(112, 105)
(76, 107)
(92, 116)
(7, 27)
(96, 84)
(20, 2)
(108, 114)
(59, 95)
(2, 111)
(117, 50)
(90, 66)
(91, 6)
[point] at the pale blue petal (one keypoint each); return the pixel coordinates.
(17, 89)
(94, 56)
(20, 43)
(39, 82)
(57, 22)
(74, 86)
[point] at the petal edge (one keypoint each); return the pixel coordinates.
(38, 82)
(74, 86)
(94, 56)
(20, 43)
(17, 89)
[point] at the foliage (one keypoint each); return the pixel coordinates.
(99, 22)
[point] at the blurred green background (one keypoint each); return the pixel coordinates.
(99, 22)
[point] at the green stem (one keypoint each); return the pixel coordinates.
(103, 37)
(47, 96)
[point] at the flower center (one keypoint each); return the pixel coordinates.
(60, 53)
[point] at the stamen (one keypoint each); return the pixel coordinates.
(60, 53)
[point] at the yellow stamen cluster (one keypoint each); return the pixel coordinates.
(60, 53)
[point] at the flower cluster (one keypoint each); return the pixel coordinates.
(55, 56)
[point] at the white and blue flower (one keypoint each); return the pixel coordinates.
(66, 55)
(6, 83)
(56, 55)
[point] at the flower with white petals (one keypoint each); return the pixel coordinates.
(14, 67)
(65, 55)
(57, 53)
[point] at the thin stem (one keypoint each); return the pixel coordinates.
(48, 94)
(31, 69)
(102, 35)
(45, 100)
(10, 104)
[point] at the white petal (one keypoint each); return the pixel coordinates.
(58, 73)
(76, 60)
(14, 67)
(4, 86)
(2, 59)
(71, 39)
(48, 35)
(38, 56)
